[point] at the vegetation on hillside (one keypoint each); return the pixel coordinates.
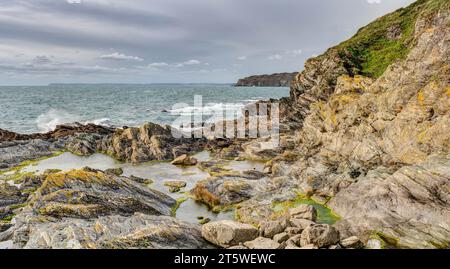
(386, 40)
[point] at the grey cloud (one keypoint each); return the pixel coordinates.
(116, 56)
(237, 37)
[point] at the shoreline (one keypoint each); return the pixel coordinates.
(363, 161)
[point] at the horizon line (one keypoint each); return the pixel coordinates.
(119, 83)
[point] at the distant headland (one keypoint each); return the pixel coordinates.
(273, 80)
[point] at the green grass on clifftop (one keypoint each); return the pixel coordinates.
(386, 40)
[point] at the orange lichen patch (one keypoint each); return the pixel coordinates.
(69, 194)
(235, 186)
(98, 227)
(203, 195)
(346, 98)
(448, 92)
(66, 210)
(422, 135)
(421, 97)
(413, 156)
(58, 180)
(289, 156)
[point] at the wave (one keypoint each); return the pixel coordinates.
(48, 121)
(209, 109)
(102, 121)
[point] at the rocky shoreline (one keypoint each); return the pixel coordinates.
(363, 162)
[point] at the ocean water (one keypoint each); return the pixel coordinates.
(28, 109)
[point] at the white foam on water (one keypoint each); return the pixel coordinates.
(48, 121)
(102, 121)
(208, 109)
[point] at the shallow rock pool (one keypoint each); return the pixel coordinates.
(159, 172)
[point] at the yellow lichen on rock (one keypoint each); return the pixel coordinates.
(202, 194)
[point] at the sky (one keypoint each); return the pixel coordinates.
(170, 41)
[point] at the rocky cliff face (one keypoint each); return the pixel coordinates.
(273, 80)
(375, 128)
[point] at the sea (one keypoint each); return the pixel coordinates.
(31, 109)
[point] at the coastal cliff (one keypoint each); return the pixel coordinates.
(363, 161)
(372, 133)
(273, 80)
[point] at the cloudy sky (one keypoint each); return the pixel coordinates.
(157, 41)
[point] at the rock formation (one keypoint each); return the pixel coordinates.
(273, 80)
(146, 143)
(91, 209)
(374, 135)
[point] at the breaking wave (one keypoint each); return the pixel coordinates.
(48, 121)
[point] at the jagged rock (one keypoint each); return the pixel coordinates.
(114, 171)
(281, 237)
(80, 139)
(301, 223)
(270, 228)
(59, 132)
(184, 160)
(175, 186)
(224, 190)
(351, 242)
(4, 226)
(293, 231)
(262, 243)
(378, 144)
(84, 144)
(417, 193)
(321, 235)
(114, 232)
(228, 233)
(146, 143)
(13, 153)
(9, 196)
(88, 208)
(89, 193)
(253, 175)
(307, 212)
(294, 240)
(141, 180)
(261, 149)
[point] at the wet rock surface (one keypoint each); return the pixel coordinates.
(184, 160)
(89, 208)
(114, 232)
(59, 132)
(147, 143)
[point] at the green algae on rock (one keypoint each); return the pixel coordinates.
(324, 214)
